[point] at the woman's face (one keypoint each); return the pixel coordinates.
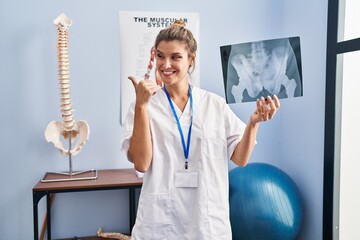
(172, 62)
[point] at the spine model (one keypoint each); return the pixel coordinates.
(57, 131)
(64, 74)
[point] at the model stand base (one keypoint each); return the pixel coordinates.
(70, 176)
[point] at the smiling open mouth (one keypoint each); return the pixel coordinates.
(168, 73)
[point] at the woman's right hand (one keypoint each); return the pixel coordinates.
(140, 150)
(144, 90)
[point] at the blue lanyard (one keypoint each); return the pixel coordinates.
(186, 149)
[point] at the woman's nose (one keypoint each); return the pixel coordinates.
(167, 63)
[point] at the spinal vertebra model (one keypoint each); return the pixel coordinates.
(68, 128)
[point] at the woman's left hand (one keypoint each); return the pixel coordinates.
(265, 109)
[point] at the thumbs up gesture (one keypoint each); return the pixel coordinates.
(144, 90)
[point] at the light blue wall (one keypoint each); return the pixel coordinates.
(303, 120)
(29, 101)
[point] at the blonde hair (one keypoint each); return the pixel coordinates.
(177, 31)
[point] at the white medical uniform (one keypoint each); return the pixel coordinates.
(166, 211)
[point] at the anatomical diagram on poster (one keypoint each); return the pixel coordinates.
(262, 68)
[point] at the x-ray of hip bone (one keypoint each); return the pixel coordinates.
(262, 68)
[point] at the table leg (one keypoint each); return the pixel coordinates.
(36, 198)
(132, 207)
(48, 209)
(36, 224)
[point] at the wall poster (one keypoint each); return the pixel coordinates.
(137, 36)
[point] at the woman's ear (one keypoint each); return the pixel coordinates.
(192, 59)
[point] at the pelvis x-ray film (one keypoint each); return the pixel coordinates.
(262, 68)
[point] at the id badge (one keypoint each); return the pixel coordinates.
(186, 179)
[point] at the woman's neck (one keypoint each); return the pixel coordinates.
(179, 93)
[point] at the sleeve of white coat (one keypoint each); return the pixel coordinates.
(234, 129)
(128, 131)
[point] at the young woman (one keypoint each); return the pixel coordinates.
(181, 137)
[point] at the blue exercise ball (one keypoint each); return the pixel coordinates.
(265, 203)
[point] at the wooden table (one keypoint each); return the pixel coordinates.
(106, 180)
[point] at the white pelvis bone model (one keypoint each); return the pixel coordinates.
(56, 130)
